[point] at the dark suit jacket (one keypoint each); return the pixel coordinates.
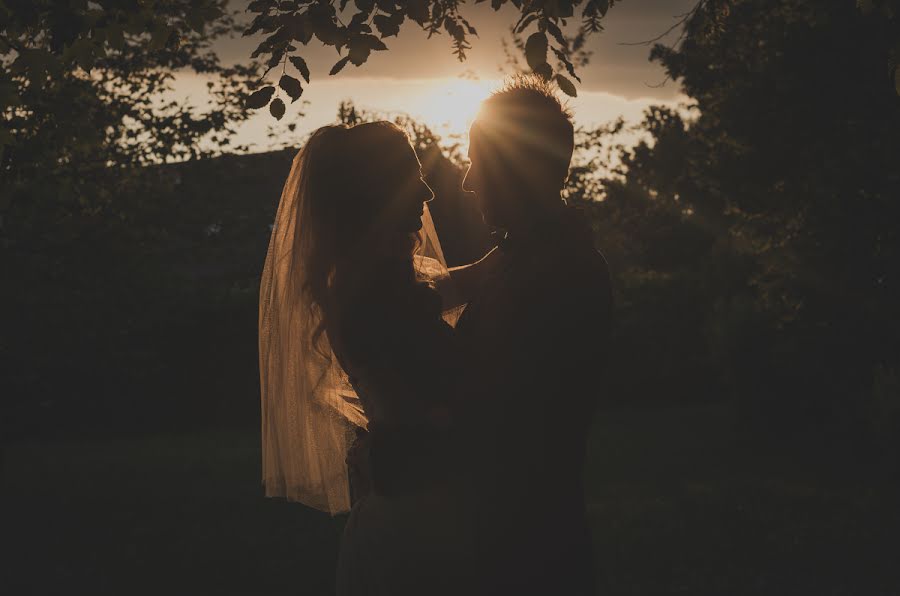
(534, 342)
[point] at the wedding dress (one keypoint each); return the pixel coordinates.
(410, 533)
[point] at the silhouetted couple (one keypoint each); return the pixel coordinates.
(469, 477)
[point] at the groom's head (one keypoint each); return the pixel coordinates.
(520, 146)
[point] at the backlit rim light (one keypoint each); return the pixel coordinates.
(451, 106)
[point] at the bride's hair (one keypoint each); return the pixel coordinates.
(350, 174)
(347, 201)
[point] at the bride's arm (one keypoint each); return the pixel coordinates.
(464, 282)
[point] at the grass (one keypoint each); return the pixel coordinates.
(679, 506)
(682, 504)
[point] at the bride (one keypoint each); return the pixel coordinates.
(353, 338)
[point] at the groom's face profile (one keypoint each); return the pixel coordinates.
(503, 173)
(519, 152)
(475, 180)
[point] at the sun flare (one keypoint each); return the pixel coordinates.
(451, 105)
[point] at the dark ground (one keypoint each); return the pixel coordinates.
(680, 504)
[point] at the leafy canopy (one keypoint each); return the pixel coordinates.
(358, 28)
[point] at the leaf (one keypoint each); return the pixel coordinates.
(195, 20)
(567, 63)
(275, 58)
(566, 85)
(359, 51)
(302, 28)
(324, 25)
(525, 21)
(81, 52)
(544, 71)
(276, 108)
(259, 6)
(339, 65)
(418, 11)
(291, 86)
(536, 50)
(260, 98)
(557, 34)
(159, 37)
(374, 43)
(9, 96)
(386, 25)
(300, 64)
(358, 23)
(565, 8)
(360, 46)
(114, 37)
(255, 26)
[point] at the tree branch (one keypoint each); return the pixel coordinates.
(682, 19)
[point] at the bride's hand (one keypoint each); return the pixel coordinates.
(357, 452)
(358, 460)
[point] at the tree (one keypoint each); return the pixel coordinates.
(83, 101)
(791, 163)
(888, 12)
(85, 120)
(358, 29)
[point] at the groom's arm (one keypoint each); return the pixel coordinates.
(466, 281)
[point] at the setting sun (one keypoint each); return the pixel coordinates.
(451, 105)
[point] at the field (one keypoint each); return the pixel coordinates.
(680, 504)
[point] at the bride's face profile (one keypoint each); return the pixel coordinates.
(395, 194)
(405, 191)
(367, 188)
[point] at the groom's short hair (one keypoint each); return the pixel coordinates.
(531, 127)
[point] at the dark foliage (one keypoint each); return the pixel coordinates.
(764, 221)
(147, 323)
(83, 106)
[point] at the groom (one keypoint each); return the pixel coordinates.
(535, 336)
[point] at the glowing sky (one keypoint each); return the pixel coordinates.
(421, 77)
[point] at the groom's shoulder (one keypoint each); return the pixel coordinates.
(568, 280)
(599, 266)
(592, 275)
(579, 263)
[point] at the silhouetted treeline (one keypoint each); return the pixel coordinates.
(148, 321)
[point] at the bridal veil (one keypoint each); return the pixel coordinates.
(309, 410)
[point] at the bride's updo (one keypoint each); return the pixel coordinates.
(352, 179)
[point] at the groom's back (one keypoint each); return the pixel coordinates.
(538, 336)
